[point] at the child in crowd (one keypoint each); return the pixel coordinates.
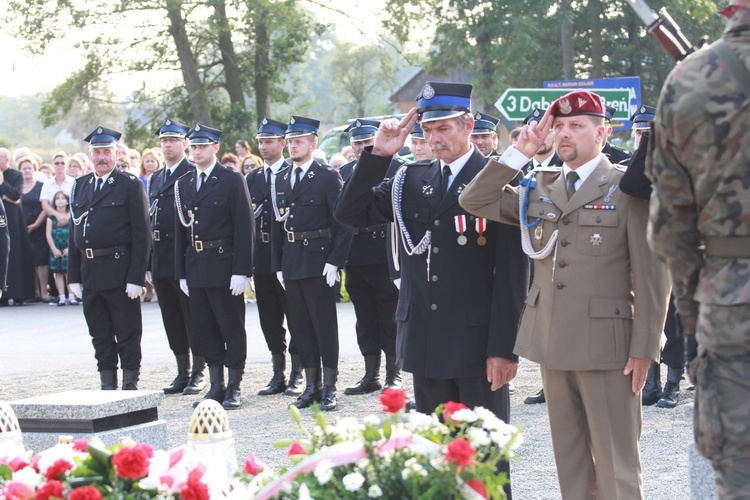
(57, 237)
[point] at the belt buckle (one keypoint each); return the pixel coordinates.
(265, 237)
(89, 253)
(198, 244)
(157, 235)
(290, 237)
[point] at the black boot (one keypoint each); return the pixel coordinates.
(313, 389)
(671, 389)
(232, 394)
(108, 379)
(652, 389)
(295, 378)
(392, 374)
(277, 385)
(183, 375)
(216, 391)
(130, 379)
(536, 399)
(197, 382)
(370, 382)
(328, 399)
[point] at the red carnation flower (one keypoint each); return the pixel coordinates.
(81, 444)
(132, 462)
(450, 408)
(17, 464)
(85, 493)
(296, 449)
(393, 400)
(58, 469)
(16, 490)
(461, 451)
(478, 486)
(194, 489)
(253, 466)
(52, 489)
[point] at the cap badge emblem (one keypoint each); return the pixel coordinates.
(478, 116)
(99, 130)
(428, 92)
(565, 107)
(197, 127)
(265, 121)
(291, 120)
(168, 122)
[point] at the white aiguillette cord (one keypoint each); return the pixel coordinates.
(401, 231)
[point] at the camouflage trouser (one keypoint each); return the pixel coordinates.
(722, 395)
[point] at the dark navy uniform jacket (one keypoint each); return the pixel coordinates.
(221, 212)
(615, 154)
(467, 308)
(161, 201)
(260, 194)
(370, 247)
(117, 217)
(310, 208)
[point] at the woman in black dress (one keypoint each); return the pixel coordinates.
(36, 225)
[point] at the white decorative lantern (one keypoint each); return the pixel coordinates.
(212, 439)
(11, 440)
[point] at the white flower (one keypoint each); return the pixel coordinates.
(518, 442)
(374, 491)
(484, 413)
(286, 487)
(495, 424)
(324, 471)
(304, 492)
(348, 428)
(478, 437)
(28, 476)
(363, 463)
(464, 415)
(371, 420)
(499, 438)
(353, 481)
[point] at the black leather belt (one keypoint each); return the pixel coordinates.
(373, 229)
(264, 237)
(162, 235)
(201, 245)
(101, 252)
(308, 235)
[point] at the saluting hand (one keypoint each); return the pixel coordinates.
(392, 135)
(532, 136)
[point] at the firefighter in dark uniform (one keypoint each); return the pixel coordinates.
(107, 260)
(309, 249)
(613, 153)
(368, 282)
(271, 297)
(175, 309)
(484, 136)
(214, 230)
(420, 148)
(4, 248)
(463, 278)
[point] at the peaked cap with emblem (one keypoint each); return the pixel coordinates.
(201, 134)
(609, 113)
(300, 126)
(417, 132)
(269, 129)
(484, 124)
(536, 115)
(103, 137)
(579, 102)
(440, 100)
(643, 117)
(362, 130)
(172, 128)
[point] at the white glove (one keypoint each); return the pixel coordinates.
(133, 291)
(75, 288)
(148, 278)
(251, 283)
(280, 277)
(331, 273)
(184, 287)
(397, 282)
(237, 284)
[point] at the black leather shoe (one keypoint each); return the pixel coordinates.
(277, 385)
(108, 380)
(670, 396)
(183, 375)
(232, 393)
(197, 381)
(393, 378)
(313, 389)
(130, 379)
(536, 399)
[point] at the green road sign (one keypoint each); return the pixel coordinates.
(516, 104)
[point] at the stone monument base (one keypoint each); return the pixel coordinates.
(108, 415)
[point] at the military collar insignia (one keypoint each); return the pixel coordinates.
(565, 107)
(428, 191)
(611, 192)
(111, 179)
(460, 189)
(91, 180)
(310, 174)
(602, 178)
(428, 92)
(286, 176)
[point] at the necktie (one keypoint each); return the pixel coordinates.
(446, 177)
(571, 188)
(167, 175)
(99, 183)
(203, 179)
(268, 177)
(297, 178)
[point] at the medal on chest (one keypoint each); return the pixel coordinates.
(461, 229)
(481, 226)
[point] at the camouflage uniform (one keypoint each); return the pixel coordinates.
(700, 213)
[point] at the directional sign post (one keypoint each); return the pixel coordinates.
(516, 104)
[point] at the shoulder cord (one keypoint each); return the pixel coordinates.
(279, 217)
(426, 241)
(527, 184)
(178, 202)
(84, 216)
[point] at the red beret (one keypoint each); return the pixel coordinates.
(578, 102)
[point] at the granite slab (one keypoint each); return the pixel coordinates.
(85, 405)
(153, 433)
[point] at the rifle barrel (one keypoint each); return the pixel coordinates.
(641, 8)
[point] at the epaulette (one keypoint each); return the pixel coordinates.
(549, 168)
(420, 163)
(620, 167)
(399, 160)
(133, 177)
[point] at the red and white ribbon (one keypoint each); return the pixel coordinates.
(481, 225)
(460, 224)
